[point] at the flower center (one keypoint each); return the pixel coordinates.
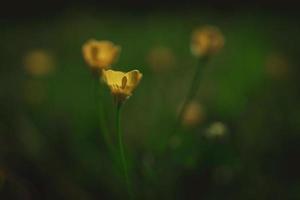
(124, 82)
(94, 53)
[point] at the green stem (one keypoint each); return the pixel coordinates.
(121, 149)
(192, 90)
(99, 98)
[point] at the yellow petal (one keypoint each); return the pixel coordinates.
(100, 54)
(112, 77)
(134, 78)
(122, 84)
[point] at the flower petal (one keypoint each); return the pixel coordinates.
(112, 77)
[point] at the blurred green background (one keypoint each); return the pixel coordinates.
(51, 146)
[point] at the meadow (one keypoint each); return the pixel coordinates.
(240, 139)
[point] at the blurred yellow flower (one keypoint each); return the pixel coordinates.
(38, 62)
(193, 114)
(206, 41)
(100, 54)
(122, 84)
(277, 66)
(216, 130)
(161, 58)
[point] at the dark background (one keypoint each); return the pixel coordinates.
(16, 9)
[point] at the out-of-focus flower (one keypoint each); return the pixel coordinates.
(193, 114)
(100, 54)
(34, 92)
(38, 62)
(216, 130)
(122, 84)
(277, 66)
(161, 59)
(206, 41)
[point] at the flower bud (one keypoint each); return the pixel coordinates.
(206, 41)
(100, 54)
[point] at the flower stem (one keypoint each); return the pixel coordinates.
(192, 90)
(99, 98)
(121, 149)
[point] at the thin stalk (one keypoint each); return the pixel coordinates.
(121, 149)
(192, 90)
(99, 98)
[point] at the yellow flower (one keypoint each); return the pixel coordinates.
(38, 62)
(161, 59)
(277, 66)
(100, 54)
(207, 41)
(193, 114)
(122, 84)
(216, 130)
